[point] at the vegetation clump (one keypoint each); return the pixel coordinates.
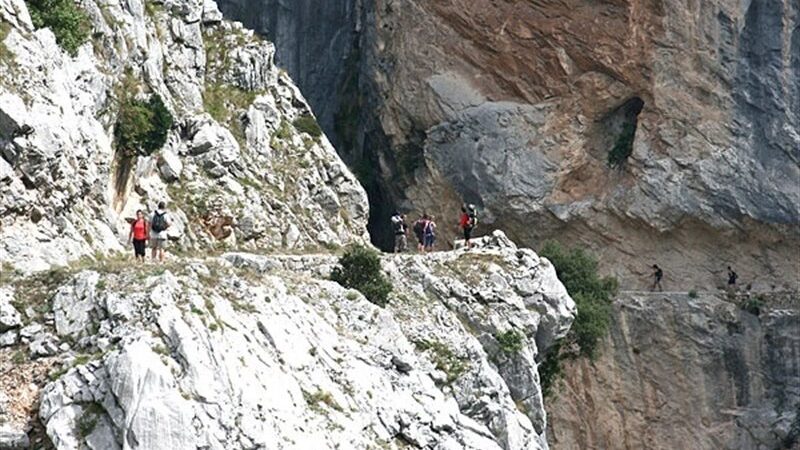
(623, 148)
(88, 421)
(753, 305)
(315, 399)
(69, 23)
(510, 342)
(592, 294)
(142, 126)
(360, 269)
(444, 359)
(306, 123)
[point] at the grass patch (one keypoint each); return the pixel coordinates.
(87, 422)
(19, 357)
(70, 24)
(753, 305)
(306, 123)
(511, 342)
(317, 399)
(223, 102)
(444, 359)
(360, 269)
(5, 54)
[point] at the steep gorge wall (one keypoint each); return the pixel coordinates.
(235, 170)
(515, 105)
(677, 372)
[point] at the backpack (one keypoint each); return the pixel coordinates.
(473, 216)
(397, 225)
(419, 227)
(159, 223)
(429, 228)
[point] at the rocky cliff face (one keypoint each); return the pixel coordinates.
(254, 351)
(217, 349)
(515, 106)
(685, 373)
(235, 171)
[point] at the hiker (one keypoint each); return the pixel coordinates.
(140, 229)
(419, 232)
(732, 277)
(158, 227)
(467, 223)
(658, 274)
(430, 234)
(399, 228)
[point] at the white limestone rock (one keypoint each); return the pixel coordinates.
(248, 350)
(9, 316)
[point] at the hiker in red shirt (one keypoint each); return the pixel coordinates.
(467, 223)
(140, 233)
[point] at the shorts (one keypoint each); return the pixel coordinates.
(420, 239)
(467, 233)
(139, 246)
(158, 243)
(400, 242)
(429, 240)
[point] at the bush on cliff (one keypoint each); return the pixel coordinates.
(623, 148)
(69, 23)
(142, 126)
(360, 269)
(308, 124)
(592, 294)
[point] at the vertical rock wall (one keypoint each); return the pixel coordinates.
(515, 106)
(677, 372)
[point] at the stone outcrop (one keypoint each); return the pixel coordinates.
(235, 170)
(248, 351)
(515, 106)
(678, 372)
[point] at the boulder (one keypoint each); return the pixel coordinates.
(9, 316)
(13, 439)
(170, 165)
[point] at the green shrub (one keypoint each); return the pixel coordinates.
(510, 342)
(551, 370)
(592, 294)
(306, 123)
(753, 305)
(360, 269)
(142, 127)
(69, 23)
(693, 294)
(623, 148)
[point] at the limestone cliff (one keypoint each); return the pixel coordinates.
(239, 339)
(259, 351)
(239, 168)
(515, 106)
(678, 372)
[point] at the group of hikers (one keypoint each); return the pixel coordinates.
(153, 231)
(658, 275)
(424, 229)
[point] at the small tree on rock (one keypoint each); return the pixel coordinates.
(142, 126)
(360, 268)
